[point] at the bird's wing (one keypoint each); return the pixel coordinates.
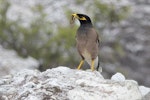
(93, 42)
(98, 40)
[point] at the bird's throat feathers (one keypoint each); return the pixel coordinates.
(85, 23)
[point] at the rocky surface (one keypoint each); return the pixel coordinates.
(11, 63)
(63, 83)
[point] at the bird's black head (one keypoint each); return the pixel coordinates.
(84, 19)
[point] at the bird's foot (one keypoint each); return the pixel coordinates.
(92, 65)
(81, 63)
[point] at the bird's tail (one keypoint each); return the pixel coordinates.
(98, 67)
(97, 64)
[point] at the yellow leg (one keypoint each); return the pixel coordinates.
(92, 65)
(81, 63)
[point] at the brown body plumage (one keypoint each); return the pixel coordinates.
(87, 41)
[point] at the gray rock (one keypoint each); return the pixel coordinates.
(63, 83)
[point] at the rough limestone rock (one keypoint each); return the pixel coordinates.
(146, 97)
(63, 83)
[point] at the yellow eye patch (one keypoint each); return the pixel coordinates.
(74, 16)
(82, 18)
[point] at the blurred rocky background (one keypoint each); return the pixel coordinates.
(41, 29)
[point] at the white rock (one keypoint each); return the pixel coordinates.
(144, 90)
(106, 90)
(118, 77)
(79, 94)
(63, 83)
(30, 97)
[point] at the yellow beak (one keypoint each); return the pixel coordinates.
(73, 16)
(76, 16)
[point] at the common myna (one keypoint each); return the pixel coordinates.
(87, 41)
